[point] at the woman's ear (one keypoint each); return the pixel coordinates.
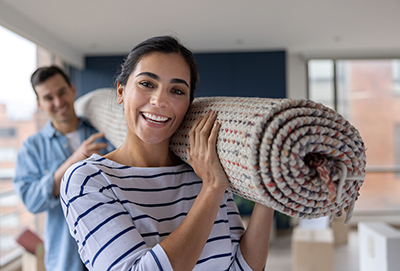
(120, 93)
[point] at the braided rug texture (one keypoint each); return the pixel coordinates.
(295, 156)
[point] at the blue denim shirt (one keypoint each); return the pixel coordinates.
(38, 159)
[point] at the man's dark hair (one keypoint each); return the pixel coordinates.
(44, 73)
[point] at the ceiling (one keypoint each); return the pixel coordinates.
(77, 28)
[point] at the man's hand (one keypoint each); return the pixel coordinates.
(86, 149)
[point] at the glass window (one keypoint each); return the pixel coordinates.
(9, 200)
(396, 76)
(9, 221)
(8, 132)
(397, 148)
(19, 118)
(8, 154)
(364, 96)
(321, 82)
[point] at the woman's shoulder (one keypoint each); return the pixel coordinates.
(80, 173)
(94, 162)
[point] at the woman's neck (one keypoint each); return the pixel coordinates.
(144, 155)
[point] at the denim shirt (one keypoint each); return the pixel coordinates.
(38, 159)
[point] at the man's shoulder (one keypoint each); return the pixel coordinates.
(40, 135)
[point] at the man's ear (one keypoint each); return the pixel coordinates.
(120, 93)
(38, 103)
(73, 89)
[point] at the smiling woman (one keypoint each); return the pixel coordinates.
(141, 207)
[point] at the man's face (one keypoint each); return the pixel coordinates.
(56, 98)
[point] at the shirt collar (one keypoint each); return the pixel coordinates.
(50, 131)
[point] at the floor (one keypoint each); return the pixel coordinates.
(345, 255)
(379, 200)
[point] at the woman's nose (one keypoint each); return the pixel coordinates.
(159, 98)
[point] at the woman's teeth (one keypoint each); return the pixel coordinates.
(154, 119)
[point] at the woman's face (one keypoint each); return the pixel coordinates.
(156, 97)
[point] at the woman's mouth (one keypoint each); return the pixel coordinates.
(155, 119)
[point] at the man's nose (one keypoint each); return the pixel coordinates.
(57, 101)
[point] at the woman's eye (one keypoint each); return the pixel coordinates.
(146, 84)
(178, 91)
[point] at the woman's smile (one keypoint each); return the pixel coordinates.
(156, 119)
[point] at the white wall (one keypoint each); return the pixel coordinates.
(296, 76)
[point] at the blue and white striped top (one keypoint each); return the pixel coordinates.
(118, 215)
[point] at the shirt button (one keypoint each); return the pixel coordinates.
(65, 145)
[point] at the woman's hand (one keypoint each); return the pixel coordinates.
(202, 154)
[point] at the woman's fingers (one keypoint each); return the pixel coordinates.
(205, 126)
(203, 134)
(212, 141)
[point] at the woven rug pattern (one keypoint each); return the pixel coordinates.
(295, 156)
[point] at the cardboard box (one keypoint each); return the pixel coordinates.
(33, 262)
(379, 246)
(312, 249)
(340, 230)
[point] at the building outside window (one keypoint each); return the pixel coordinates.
(396, 76)
(19, 118)
(366, 92)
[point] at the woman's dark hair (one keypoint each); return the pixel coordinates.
(44, 73)
(162, 44)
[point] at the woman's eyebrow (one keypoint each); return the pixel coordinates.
(156, 77)
(179, 81)
(149, 74)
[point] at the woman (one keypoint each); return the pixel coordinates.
(140, 207)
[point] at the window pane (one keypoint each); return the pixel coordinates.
(396, 76)
(8, 154)
(18, 120)
(320, 80)
(366, 99)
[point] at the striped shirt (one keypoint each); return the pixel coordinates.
(118, 215)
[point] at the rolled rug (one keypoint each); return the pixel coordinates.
(295, 156)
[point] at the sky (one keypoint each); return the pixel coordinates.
(17, 62)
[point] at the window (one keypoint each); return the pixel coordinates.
(7, 132)
(9, 200)
(396, 76)
(19, 119)
(362, 91)
(397, 149)
(8, 154)
(321, 82)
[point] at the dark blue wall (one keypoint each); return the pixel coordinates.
(258, 74)
(99, 72)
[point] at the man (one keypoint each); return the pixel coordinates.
(44, 158)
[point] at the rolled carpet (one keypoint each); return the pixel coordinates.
(295, 156)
